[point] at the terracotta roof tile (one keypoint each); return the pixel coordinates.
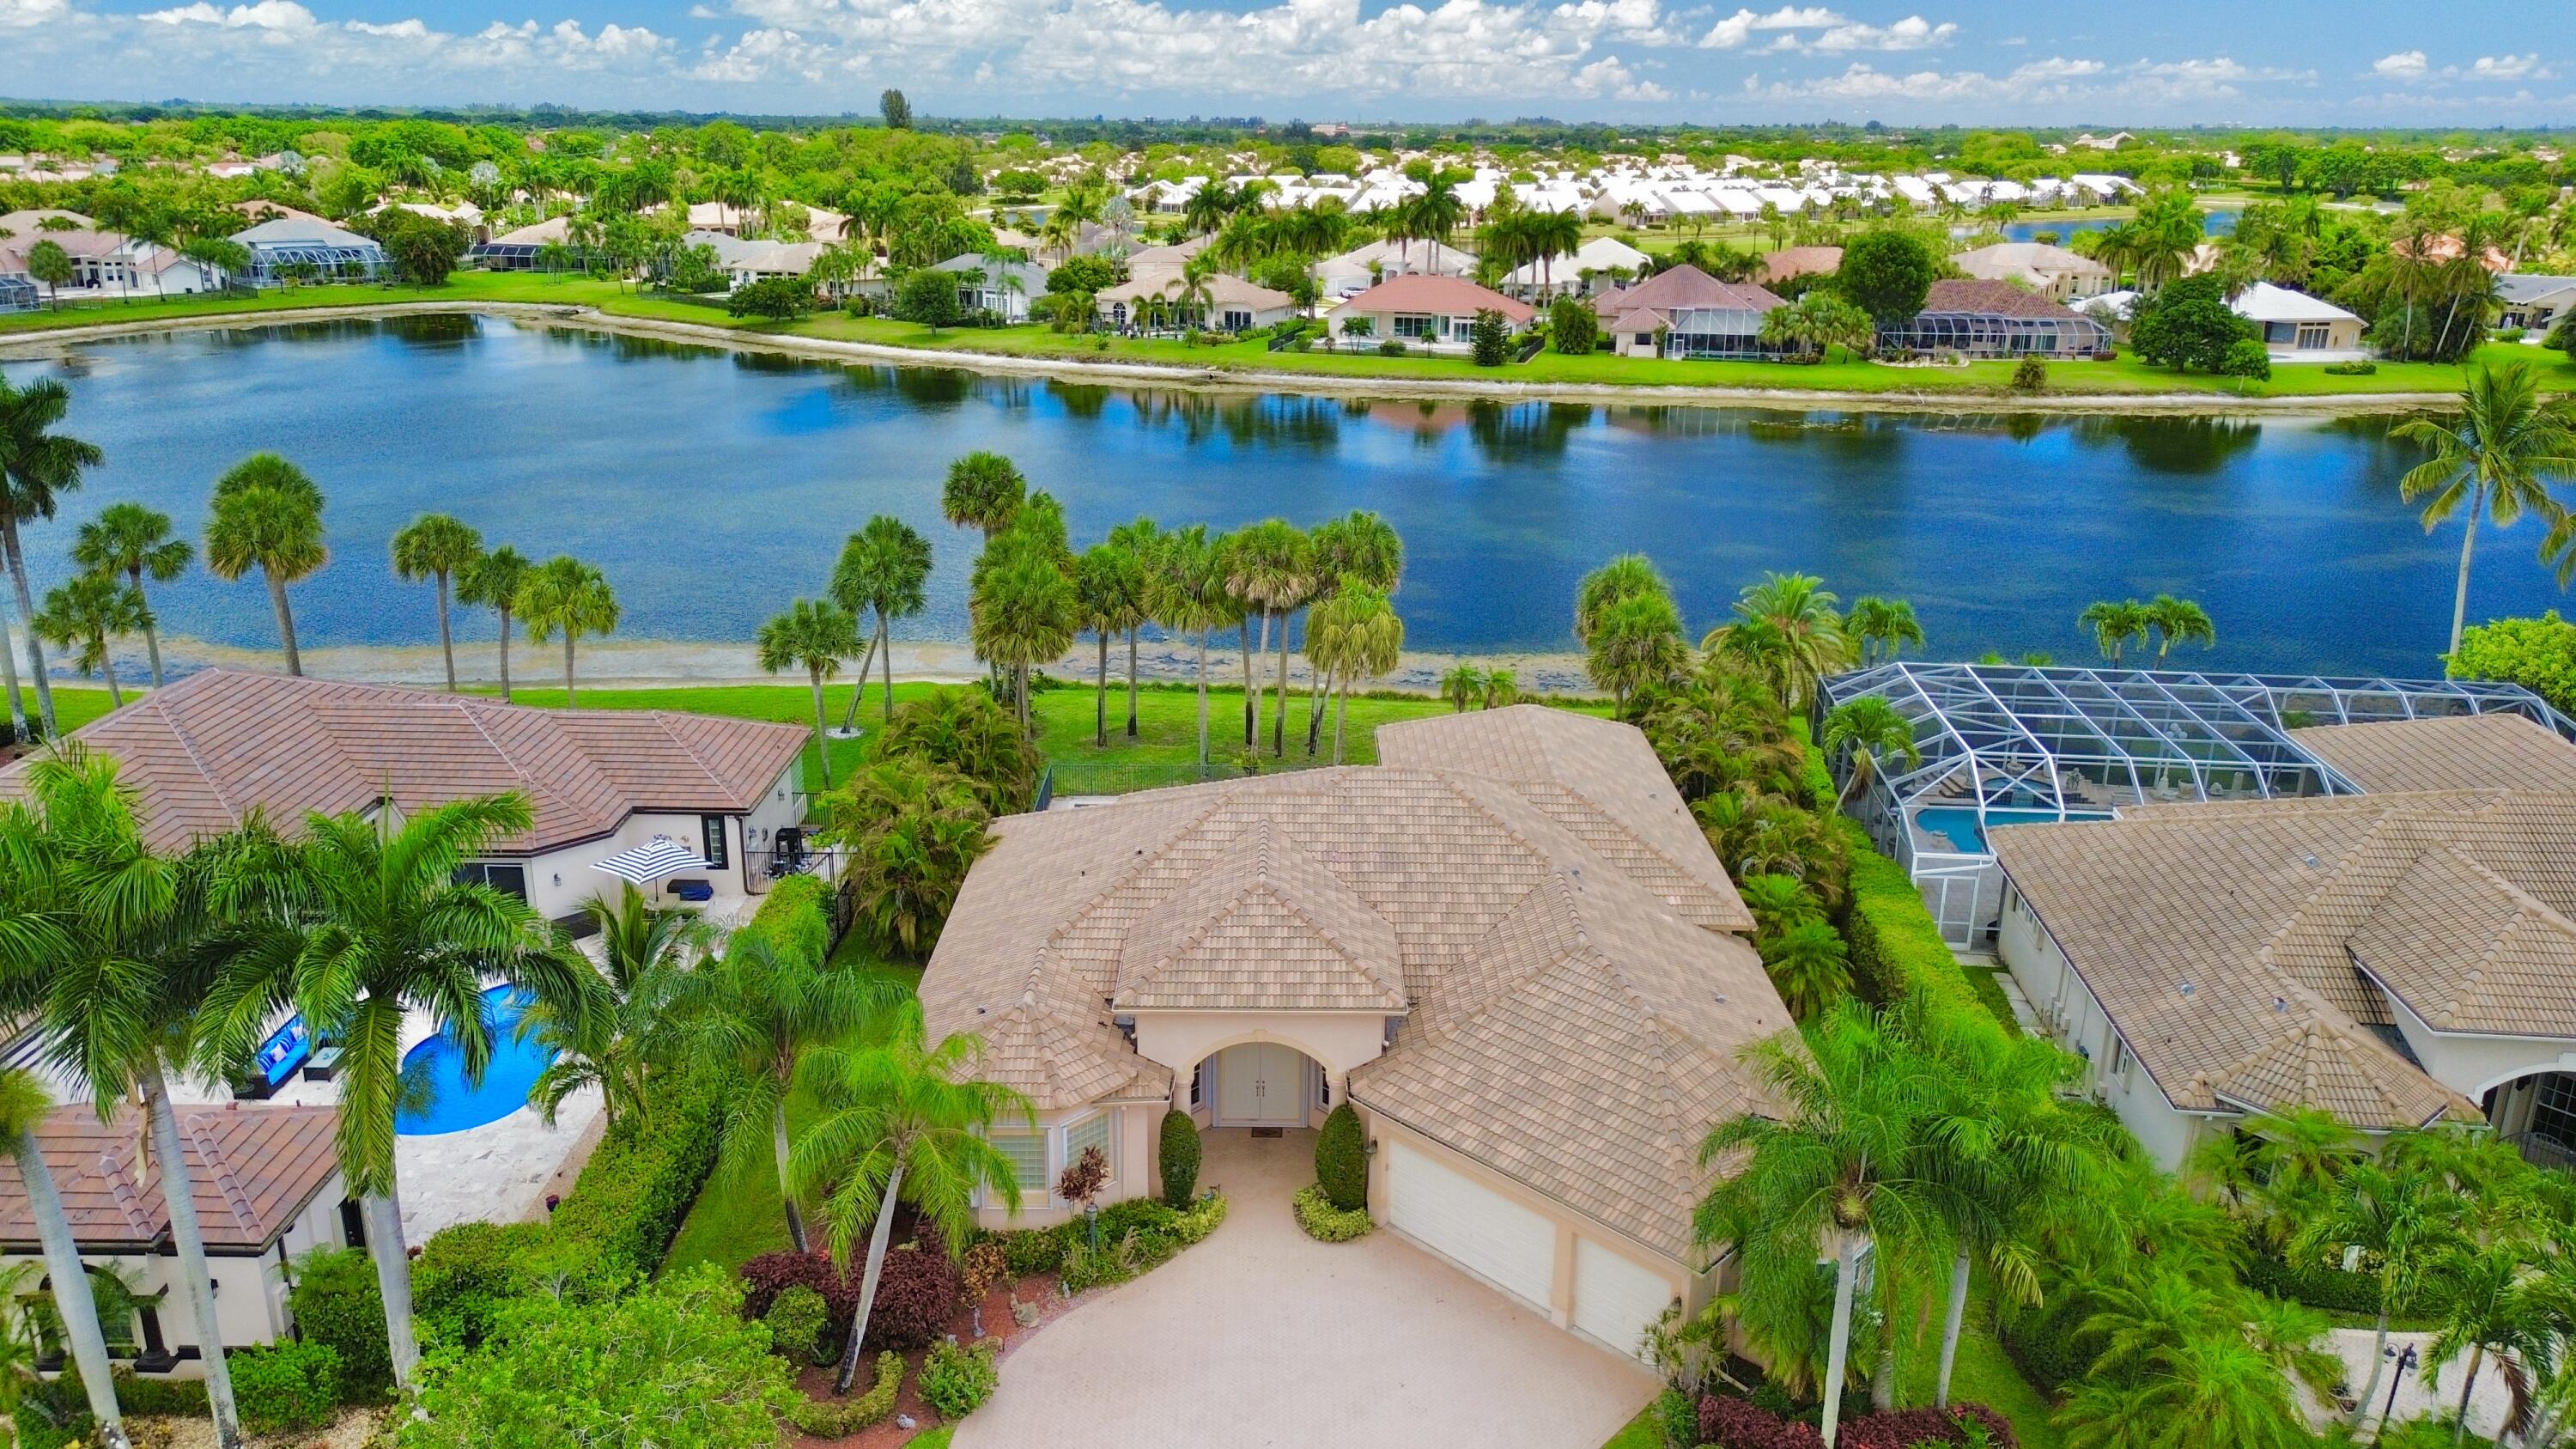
(252, 1168)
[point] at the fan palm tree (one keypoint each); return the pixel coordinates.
(1868, 727)
(267, 515)
(2115, 624)
(1109, 597)
(1022, 612)
(645, 950)
(1878, 624)
(1189, 595)
(130, 539)
(1622, 578)
(1360, 544)
(1144, 541)
(982, 491)
(901, 1120)
(1273, 565)
(375, 926)
(493, 582)
(37, 466)
(814, 635)
(1636, 644)
(1354, 634)
(1800, 610)
(565, 596)
(2406, 1223)
(437, 547)
(884, 570)
(2495, 460)
(1463, 685)
(83, 615)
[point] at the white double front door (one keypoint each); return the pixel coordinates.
(1261, 1084)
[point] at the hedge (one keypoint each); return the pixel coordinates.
(1326, 1223)
(629, 1201)
(54, 1413)
(838, 1418)
(337, 1303)
(465, 1276)
(1896, 946)
(2317, 1286)
(784, 922)
(284, 1387)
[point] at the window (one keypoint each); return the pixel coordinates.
(353, 1226)
(1198, 1082)
(1237, 321)
(2120, 1058)
(2553, 1113)
(1408, 324)
(1323, 1087)
(507, 879)
(713, 828)
(2312, 337)
(1028, 1154)
(1090, 1132)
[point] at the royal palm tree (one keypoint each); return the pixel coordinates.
(130, 539)
(1109, 590)
(982, 491)
(814, 635)
(267, 515)
(1463, 685)
(884, 570)
(2406, 1223)
(2493, 1303)
(902, 1120)
(1354, 634)
(2115, 624)
(565, 596)
(493, 582)
(1189, 595)
(2495, 460)
(37, 466)
(645, 951)
(1887, 624)
(24, 1105)
(1622, 578)
(83, 615)
(377, 926)
(1868, 727)
(437, 547)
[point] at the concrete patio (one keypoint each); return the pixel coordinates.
(1262, 1336)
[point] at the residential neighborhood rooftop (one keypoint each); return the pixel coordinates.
(252, 1168)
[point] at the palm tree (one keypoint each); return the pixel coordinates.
(37, 466)
(1109, 596)
(2176, 621)
(1189, 595)
(2115, 624)
(565, 596)
(1143, 540)
(494, 582)
(814, 635)
(439, 548)
(1502, 689)
(1887, 624)
(2405, 1223)
(375, 926)
(1809, 966)
(884, 570)
(645, 951)
(1868, 727)
(1021, 613)
(130, 539)
(1799, 609)
(902, 1121)
(1355, 633)
(83, 615)
(983, 490)
(1622, 578)
(1273, 566)
(267, 516)
(2495, 460)
(1463, 685)
(1360, 544)
(908, 834)
(24, 1105)
(1635, 644)
(2492, 1301)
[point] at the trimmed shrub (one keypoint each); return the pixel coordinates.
(2031, 375)
(956, 1379)
(917, 1295)
(630, 1199)
(2246, 358)
(1735, 1424)
(2317, 1285)
(796, 917)
(839, 1418)
(1341, 1160)
(1180, 1158)
(336, 1305)
(1922, 1428)
(1326, 1223)
(1390, 348)
(1489, 338)
(1030, 1251)
(467, 1274)
(2351, 369)
(283, 1387)
(1896, 946)
(2046, 1354)
(796, 1319)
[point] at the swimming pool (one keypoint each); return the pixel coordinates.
(451, 1103)
(1958, 823)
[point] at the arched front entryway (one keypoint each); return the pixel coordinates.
(1262, 1084)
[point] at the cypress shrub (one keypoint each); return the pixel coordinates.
(1180, 1158)
(1341, 1160)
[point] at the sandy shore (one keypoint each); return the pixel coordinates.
(39, 344)
(617, 663)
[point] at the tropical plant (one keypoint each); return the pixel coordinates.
(1882, 625)
(1271, 565)
(83, 615)
(2114, 624)
(565, 596)
(884, 570)
(1463, 685)
(135, 541)
(814, 635)
(622, 1048)
(962, 729)
(494, 582)
(2406, 1223)
(2177, 621)
(1502, 689)
(267, 515)
(1110, 597)
(1868, 727)
(1022, 608)
(982, 491)
(2494, 461)
(1144, 541)
(437, 547)
(1797, 619)
(1809, 966)
(1636, 644)
(909, 832)
(900, 1120)
(1622, 578)
(2493, 1304)
(1356, 633)
(1189, 594)
(37, 466)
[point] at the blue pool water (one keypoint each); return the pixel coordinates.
(1958, 823)
(452, 1104)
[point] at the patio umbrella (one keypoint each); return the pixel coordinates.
(657, 859)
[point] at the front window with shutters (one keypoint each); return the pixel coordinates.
(1091, 1131)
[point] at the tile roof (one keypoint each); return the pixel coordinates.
(208, 750)
(1524, 885)
(1420, 292)
(2462, 752)
(1680, 288)
(1789, 262)
(252, 1169)
(1984, 298)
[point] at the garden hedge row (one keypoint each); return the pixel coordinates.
(629, 1201)
(1896, 946)
(840, 1418)
(2317, 1286)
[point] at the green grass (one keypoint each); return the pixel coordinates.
(1642, 1432)
(1982, 1375)
(932, 1438)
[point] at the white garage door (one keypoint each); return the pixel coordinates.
(1484, 1232)
(1615, 1298)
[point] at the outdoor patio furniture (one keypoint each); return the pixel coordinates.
(693, 890)
(323, 1065)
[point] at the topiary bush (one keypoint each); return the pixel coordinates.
(337, 1305)
(797, 1318)
(282, 1387)
(840, 1418)
(1341, 1160)
(1180, 1158)
(956, 1379)
(1326, 1223)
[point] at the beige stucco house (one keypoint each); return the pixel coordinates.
(1508, 946)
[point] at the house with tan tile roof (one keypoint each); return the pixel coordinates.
(212, 749)
(2398, 957)
(1507, 946)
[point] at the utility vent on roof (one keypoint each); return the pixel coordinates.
(2279, 1004)
(2313, 862)
(2186, 988)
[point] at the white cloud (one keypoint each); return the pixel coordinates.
(2404, 65)
(1737, 28)
(1911, 33)
(16, 14)
(266, 15)
(2506, 67)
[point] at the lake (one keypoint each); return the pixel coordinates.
(2212, 223)
(714, 486)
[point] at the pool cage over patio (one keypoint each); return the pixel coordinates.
(2007, 744)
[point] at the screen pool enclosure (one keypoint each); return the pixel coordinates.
(2008, 744)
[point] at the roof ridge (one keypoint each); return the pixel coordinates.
(508, 761)
(159, 700)
(219, 1170)
(662, 717)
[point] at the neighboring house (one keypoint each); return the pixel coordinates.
(268, 1190)
(520, 250)
(205, 752)
(1682, 311)
(2051, 271)
(1357, 270)
(1427, 311)
(1507, 946)
(2298, 327)
(746, 262)
(1231, 304)
(821, 223)
(1789, 262)
(293, 245)
(1996, 319)
(1007, 288)
(2534, 303)
(1155, 264)
(2400, 957)
(104, 263)
(1601, 263)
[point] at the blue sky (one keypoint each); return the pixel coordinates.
(2469, 63)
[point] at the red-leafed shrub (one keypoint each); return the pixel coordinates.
(917, 1297)
(1910, 1428)
(1735, 1424)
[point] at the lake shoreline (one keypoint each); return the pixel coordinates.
(40, 343)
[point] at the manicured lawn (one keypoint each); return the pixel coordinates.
(1642, 1433)
(1983, 1375)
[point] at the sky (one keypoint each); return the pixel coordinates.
(2452, 63)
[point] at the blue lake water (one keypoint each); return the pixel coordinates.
(2213, 223)
(715, 486)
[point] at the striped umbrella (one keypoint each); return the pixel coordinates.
(657, 859)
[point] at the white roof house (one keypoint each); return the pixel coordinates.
(2534, 302)
(1586, 269)
(1362, 267)
(2298, 327)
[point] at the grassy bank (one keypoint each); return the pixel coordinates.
(2125, 376)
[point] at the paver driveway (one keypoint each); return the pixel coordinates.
(1261, 1336)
